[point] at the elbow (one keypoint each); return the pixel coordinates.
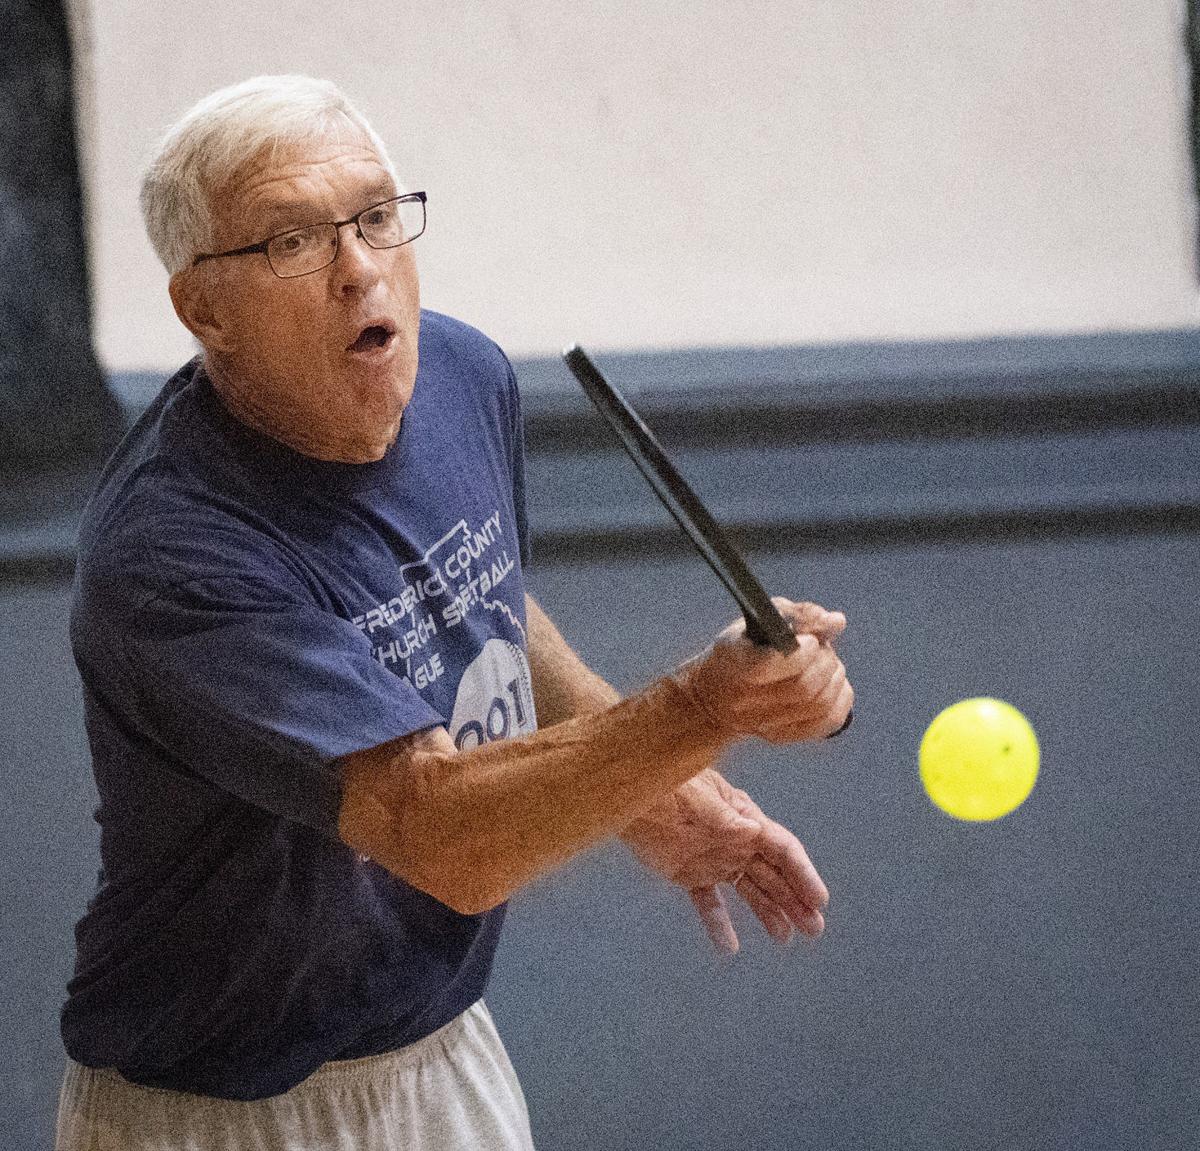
(449, 873)
(464, 894)
(410, 842)
(473, 902)
(446, 875)
(445, 880)
(421, 846)
(449, 864)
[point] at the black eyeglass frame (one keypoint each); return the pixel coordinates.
(338, 225)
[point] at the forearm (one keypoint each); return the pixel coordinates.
(471, 828)
(563, 685)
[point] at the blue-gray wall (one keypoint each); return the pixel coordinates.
(1011, 518)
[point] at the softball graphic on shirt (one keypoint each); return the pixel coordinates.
(495, 697)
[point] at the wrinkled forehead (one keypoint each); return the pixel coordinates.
(323, 171)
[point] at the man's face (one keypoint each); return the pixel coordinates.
(325, 362)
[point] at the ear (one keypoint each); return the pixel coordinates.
(193, 295)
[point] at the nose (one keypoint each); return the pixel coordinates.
(355, 267)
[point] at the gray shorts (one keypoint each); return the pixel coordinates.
(454, 1089)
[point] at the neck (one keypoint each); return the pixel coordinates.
(239, 398)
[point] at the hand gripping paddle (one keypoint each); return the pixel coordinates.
(764, 624)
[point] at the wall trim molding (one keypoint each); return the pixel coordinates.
(878, 389)
(829, 446)
(866, 444)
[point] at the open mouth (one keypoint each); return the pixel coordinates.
(372, 337)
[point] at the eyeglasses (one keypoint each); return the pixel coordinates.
(388, 224)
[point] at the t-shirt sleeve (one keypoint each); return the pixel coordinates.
(238, 675)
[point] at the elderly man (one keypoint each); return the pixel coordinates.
(331, 732)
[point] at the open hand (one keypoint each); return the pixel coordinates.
(708, 832)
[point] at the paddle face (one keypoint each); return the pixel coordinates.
(764, 624)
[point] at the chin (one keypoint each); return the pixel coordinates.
(392, 435)
(374, 443)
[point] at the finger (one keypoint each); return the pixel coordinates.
(715, 847)
(803, 700)
(766, 911)
(813, 688)
(744, 804)
(823, 697)
(717, 863)
(808, 920)
(815, 721)
(834, 625)
(773, 694)
(757, 668)
(812, 619)
(780, 850)
(769, 883)
(811, 923)
(761, 665)
(823, 672)
(715, 917)
(782, 854)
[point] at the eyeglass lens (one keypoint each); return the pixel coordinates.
(305, 250)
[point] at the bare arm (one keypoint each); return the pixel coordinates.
(563, 685)
(703, 831)
(471, 828)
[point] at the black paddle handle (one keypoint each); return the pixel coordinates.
(765, 624)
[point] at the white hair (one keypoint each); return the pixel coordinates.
(224, 131)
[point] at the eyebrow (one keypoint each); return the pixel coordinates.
(288, 214)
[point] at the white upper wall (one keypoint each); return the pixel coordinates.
(636, 175)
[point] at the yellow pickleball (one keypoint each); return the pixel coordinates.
(979, 759)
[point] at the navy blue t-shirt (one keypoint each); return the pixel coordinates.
(243, 617)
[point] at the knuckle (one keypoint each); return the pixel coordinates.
(806, 647)
(731, 826)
